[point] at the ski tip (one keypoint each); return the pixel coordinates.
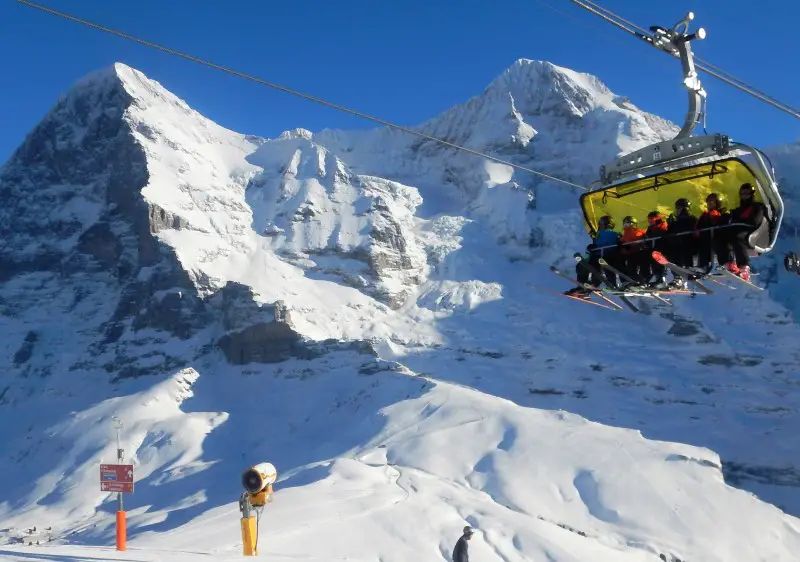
(601, 261)
(659, 257)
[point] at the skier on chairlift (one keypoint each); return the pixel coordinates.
(633, 259)
(711, 240)
(604, 245)
(655, 241)
(681, 246)
(754, 215)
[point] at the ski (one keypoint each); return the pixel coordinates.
(605, 265)
(697, 273)
(597, 273)
(587, 286)
(611, 290)
(659, 257)
(639, 287)
(630, 305)
(727, 273)
(591, 269)
(654, 293)
(587, 301)
(663, 300)
(717, 281)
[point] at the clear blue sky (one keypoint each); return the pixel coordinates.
(404, 61)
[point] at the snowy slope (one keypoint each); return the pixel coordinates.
(408, 463)
(357, 308)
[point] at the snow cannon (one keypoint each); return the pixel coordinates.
(257, 482)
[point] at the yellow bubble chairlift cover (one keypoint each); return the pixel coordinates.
(659, 192)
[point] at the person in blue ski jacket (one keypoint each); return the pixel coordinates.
(605, 245)
(606, 236)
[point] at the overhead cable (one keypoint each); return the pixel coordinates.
(700, 64)
(295, 92)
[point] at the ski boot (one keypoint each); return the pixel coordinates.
(679, 283)
(743, 272)
(579, 292)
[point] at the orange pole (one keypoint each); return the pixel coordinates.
(121, 530)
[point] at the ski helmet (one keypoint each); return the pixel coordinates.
(630, 221)
(654, 216)
(683, 203)
(718, 197)
(606, 222)
(746, 189)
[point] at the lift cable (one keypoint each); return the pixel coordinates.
(296, 93)
(701, 64)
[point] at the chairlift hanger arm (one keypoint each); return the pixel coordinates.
(700, 64)
(677, 41)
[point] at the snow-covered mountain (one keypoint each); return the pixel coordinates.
(357, 308)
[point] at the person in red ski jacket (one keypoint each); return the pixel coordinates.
(711, 240)
(634, 260)
(753, 214)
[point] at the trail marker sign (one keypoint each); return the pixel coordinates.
(116, 478)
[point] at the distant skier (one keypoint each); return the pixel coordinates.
(460, 551)
(792, 262)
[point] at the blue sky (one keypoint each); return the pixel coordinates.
(404, 61)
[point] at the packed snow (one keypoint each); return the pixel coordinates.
(474, 395)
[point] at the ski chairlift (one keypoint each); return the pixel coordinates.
(654, 177)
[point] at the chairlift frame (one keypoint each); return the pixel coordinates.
(685, 150)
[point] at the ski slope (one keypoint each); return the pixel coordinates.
(430, 381)
(409, 462)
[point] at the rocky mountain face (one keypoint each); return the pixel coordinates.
(126, 195)
(92, 195)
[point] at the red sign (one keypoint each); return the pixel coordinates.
(116, 478)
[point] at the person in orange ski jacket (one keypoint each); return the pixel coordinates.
(712, 240)
(635, 262)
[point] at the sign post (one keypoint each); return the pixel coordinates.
(118, 478)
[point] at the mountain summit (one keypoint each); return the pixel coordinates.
(364, 309)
